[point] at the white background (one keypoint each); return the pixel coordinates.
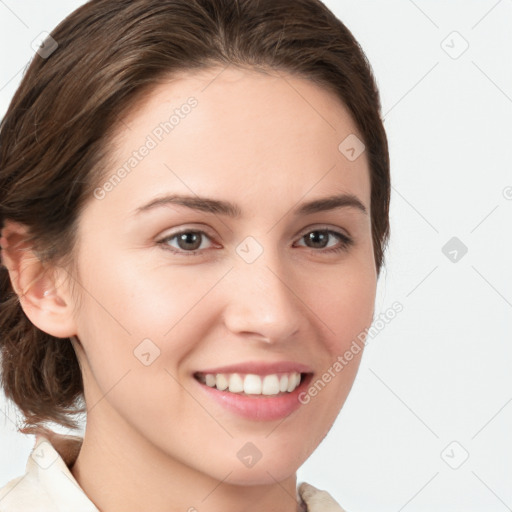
(440, 371)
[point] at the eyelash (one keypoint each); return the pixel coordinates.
(345, 242)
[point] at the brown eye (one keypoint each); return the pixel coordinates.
(319, 239)
(187, 242)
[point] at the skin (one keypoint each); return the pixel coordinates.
(266, 142)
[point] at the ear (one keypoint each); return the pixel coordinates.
(43, 290)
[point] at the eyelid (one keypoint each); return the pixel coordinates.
(200, 228)
(325, 227)
(204, 228)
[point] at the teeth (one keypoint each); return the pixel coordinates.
(251, 384)
(221, 382)
(270, 385)
(293, 381)
(236, 384)
(283, 383)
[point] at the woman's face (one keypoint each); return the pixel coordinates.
(246, 281)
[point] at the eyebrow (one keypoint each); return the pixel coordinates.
(229, 209)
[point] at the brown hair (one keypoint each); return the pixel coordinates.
(53, 138)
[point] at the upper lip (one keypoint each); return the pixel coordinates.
(260, 368)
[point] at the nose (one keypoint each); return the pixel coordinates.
(261, 301)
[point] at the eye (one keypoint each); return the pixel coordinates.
(319, 238)
(189, 242)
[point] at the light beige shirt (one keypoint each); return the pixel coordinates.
(49, 486)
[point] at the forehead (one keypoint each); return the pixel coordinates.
(228, 129)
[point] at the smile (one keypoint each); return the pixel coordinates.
(256, 390)
(251, 384)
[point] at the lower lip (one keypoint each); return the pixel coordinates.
(259, 407)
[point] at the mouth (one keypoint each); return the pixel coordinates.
(250, 384)
(258, 396)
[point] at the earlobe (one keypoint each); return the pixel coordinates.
(43, 293)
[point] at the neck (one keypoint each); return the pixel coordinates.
(120, 470)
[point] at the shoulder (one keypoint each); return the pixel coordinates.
(316, 500)
(47, 485)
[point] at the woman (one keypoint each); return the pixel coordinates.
(249, 130)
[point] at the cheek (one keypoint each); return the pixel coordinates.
(146, 322)
(346, 303)
(144, 326)
(136, 300)
(346, 308)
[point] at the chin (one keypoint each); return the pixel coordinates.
(243, 464)
(262, 474)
